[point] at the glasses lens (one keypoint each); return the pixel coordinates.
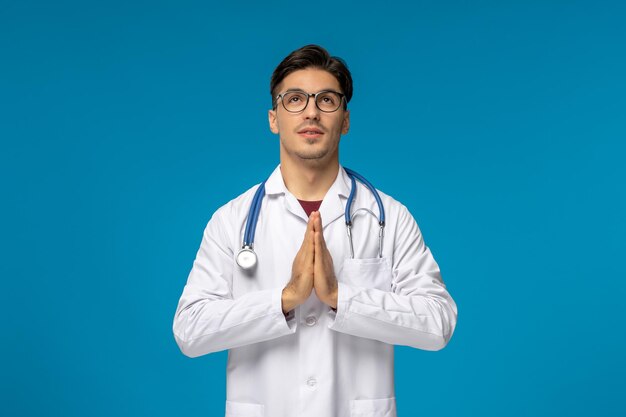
(294, 101)
(328, 101)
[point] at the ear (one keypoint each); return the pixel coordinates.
(271, 116)
(346, 122)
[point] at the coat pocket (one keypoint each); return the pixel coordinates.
(236, 409)
(368, 273)
(383, 407)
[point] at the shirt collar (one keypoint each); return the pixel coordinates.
(275, 184)
(334, 202)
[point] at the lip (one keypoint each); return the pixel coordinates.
(310, 136)
(310, 131)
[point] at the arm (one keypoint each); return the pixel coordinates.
(417, 311)
(208, 319)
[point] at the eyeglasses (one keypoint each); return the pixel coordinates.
(296, 101)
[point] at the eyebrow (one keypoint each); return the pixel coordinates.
(299, 90)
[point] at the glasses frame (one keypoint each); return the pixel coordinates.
(308, 96)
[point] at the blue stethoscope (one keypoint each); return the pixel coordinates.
(247, 259)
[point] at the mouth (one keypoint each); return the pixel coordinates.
(310, 132)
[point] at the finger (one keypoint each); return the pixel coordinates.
(316, 220)
(311, 239)
(318, 227)
(318, 252)
(318, 241)
(311, 222)
(320, 248)
(310, 227)
(309, 246)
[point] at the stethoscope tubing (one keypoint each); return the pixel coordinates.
(381, 209)
(253, 216)
(247, 251)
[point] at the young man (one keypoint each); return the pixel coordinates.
(310, 328)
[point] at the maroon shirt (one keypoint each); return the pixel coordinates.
(310, 206)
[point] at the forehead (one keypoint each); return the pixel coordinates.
(310, 80)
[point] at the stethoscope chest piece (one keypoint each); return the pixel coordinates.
(246, 258)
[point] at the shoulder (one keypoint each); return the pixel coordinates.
(394, 210)
(242, 200)
(238, 205)
(398, 218)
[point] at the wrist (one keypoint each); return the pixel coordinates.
(334, 297)
(330, 298)
(288, 300)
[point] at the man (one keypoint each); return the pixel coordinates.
(310, 329)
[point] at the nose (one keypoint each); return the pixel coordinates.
(311, 111)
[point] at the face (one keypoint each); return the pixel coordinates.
(310, 136)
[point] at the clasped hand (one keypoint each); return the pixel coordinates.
(312, 269)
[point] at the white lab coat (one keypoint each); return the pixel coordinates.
(314, 362)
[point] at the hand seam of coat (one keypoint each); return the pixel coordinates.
(392, 311)
(399, 325)
(228, 328)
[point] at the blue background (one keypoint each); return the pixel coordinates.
(501, 125)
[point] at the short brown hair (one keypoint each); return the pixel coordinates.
(312, 56)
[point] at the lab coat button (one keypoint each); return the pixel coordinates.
(311, 382)
(311, 320)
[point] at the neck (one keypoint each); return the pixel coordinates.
(307, 181)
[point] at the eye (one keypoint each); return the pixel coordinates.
(328, 98)
(294, 98)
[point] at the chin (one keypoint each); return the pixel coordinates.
(312, 156)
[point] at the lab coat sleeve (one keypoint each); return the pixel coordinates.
(416, 311)
(208, 318)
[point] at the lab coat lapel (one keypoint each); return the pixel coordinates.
(275, 185)
(334, 202)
